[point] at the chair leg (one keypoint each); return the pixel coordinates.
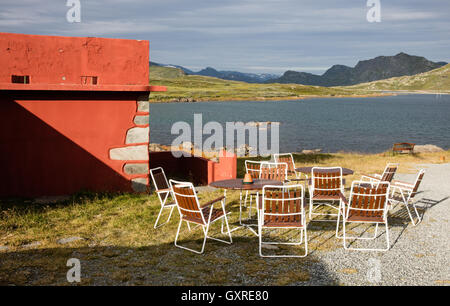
(157, 219)
(163, 202)
(359, 238)
(250, 207)
(338, 219)
(410, 215)
(228, 228)
(388, 245)
(170, 214)
(303, 240)
(240, 208)
(189, 249)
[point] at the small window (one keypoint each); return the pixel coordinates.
(89, 80)
(20, 79)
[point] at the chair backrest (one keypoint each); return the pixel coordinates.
(159, 178)
(326, 181)
(368, 200)
(282, 205)
(389, 172)
(187, 201)
(253, 168)
(288, 159)
(417, 183)
(273, 171)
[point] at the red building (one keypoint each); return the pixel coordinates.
(74, 114)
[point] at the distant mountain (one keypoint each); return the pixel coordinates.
(437, 80)
(236, 76)
(226, 75)
(379, 68)
(187, 71)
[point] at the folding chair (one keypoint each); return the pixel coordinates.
(274, 171)
(326, 185)
(368, 204)
(405, 192)
(282, 207)
(253, 168)
(191, 212)
(163, 191)
(289, 160)
(387, 176)
(268, 171)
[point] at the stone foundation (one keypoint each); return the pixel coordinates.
(135, 150)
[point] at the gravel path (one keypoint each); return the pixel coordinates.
(419, 255)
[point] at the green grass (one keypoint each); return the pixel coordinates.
(182, 87)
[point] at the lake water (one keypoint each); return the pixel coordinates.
(331, 124)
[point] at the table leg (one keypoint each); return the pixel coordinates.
(241, 225)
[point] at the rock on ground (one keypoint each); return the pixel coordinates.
(427, 148)
(69, 239)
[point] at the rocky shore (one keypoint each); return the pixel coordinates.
(283, 98)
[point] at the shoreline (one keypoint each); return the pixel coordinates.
(257, 99)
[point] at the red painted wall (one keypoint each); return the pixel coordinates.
(199, 170)
(52, 147)
(55, 135)
(50, 59)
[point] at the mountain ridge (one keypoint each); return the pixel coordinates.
(378, 68)
(225, 74)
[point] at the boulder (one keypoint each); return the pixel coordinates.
(314, 151)
(69, 240)
(428, 148)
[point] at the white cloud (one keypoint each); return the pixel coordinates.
(256, 35)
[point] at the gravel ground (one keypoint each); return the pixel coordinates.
(419, 255)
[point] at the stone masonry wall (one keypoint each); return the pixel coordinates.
(135, 153)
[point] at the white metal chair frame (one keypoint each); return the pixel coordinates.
(406, 193)
(379, 177)
(297, 175)
(163, 195)
(262, 213)
(279, 166)
(205, 224)
(265, 164)
(313, 188)
(253, 173)
(384, 211)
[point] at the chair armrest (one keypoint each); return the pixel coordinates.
(213, 201)
(343, 198)
(369, 177)
(163, 190)
(297, 179)
(401, 184)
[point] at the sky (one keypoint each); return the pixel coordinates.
(258, 36)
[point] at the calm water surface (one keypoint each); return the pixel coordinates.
(331, 124)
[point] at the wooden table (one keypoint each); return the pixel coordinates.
(237, 184)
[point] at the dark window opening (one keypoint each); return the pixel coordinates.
(20, 79)
(89, 80)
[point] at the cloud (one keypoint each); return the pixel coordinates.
(254, 35)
